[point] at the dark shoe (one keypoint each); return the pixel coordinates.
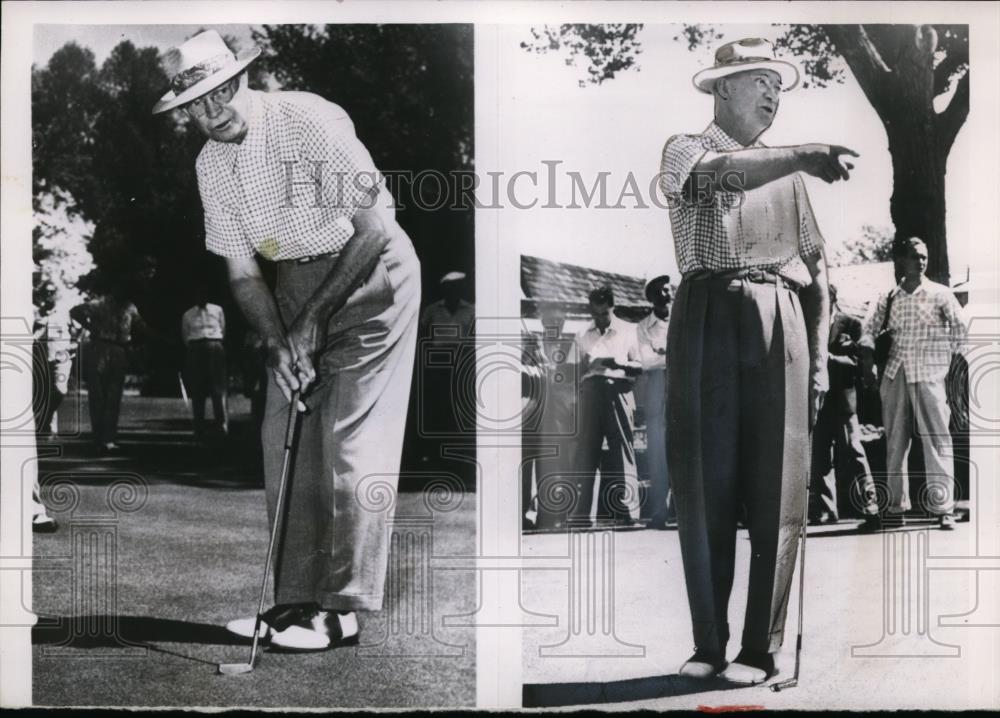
(43, 524)
(658, 524)
(750, 668)
(822, 519)
(871, 524)
(893, 521)
(317, 630)
(703, 664)
(946, 522)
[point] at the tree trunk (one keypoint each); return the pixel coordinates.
(917, 205)
(894, 65)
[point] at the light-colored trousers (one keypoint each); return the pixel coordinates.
(334, 547)
(926, 403)
(655, 402)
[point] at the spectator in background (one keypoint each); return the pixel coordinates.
(927, 329)
(446, 394)
(957, 383)
(652, 337)
(450, 318)
(551, 373)
(203, 328)
(837, 431)
(609, 364)
(54, 349)
(111, 323)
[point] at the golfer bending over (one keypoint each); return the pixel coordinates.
(283, 176)
(746, 363)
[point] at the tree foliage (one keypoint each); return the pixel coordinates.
(409, 90)
(606, 49)
(874, 244)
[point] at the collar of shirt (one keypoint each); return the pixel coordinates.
(613, 328)
(254, 143)
(722, 141)
(921, 288)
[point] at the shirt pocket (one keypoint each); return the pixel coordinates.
(929, 317)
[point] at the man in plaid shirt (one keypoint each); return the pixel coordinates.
(927, 329)
(283, 176)
(746, 363)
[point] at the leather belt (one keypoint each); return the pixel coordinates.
(312, 258)
(757, 276)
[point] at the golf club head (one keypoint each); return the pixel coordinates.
(234, 669)
(781, 685)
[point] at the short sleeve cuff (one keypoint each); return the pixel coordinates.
(681, 155)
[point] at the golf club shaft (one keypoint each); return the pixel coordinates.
(278, 512)
(803, 532)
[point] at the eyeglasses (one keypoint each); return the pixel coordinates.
(222, 95)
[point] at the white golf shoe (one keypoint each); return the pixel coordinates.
(317, 631)
(276, 618)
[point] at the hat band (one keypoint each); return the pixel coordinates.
(744, 60)
(200, 71)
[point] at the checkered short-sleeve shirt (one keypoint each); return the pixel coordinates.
(290, 189)
(771, 227)
(927, 328)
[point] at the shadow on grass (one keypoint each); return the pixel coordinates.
(104, 631)
(552, 695)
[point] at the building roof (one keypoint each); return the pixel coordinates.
(569, 284)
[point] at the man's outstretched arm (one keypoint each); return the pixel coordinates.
(754, 167)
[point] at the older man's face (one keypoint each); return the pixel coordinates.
(221, 114)
(755, 96)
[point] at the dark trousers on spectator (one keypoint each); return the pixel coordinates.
(205, 374)
(104, 365)
(606, 414)
(737, 414)
(836, 446)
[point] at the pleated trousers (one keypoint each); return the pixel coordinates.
(737, 415)
(334, 545)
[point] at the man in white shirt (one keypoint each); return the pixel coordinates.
(927, 329)
(609, 364)
(203, 327)
(651, 333)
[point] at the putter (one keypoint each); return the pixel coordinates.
(794, 680)
(235, 669)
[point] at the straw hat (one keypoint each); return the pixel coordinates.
(751, 53)
(200, 65)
